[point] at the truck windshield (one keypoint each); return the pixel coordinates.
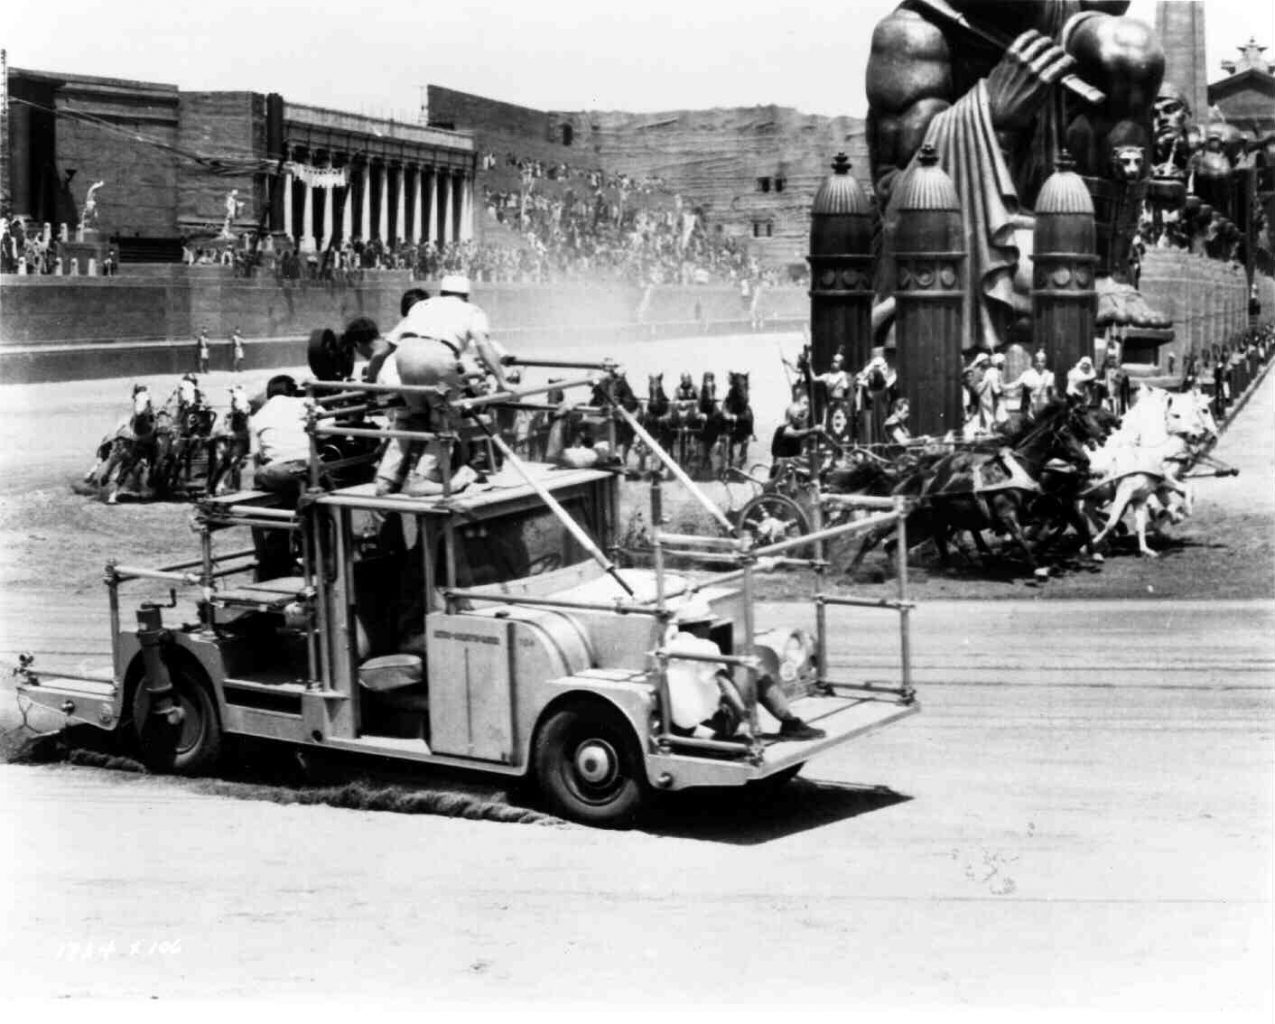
(518, 545)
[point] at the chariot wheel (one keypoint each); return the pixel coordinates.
(769, 518)
(189, 746)
(588, 766)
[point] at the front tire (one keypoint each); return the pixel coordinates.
(194, 746)
(589, 768)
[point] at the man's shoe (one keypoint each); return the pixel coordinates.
(795, 729)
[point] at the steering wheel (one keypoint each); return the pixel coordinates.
(545, 563)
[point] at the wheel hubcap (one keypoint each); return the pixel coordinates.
(595, 762)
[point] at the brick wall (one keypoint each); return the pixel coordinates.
(139, 196)
(230, 126)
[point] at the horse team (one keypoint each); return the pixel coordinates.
(183, 448)
(1071, 466)
(706, 435)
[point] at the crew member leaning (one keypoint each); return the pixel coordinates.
(428, 346)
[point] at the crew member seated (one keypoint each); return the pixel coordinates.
(703, 694)
(280, 448)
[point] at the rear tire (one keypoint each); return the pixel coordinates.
(194, 746)
(589, 768)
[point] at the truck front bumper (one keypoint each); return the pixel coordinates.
(89, 701)
(842, 718)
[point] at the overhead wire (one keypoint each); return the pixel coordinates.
(216, 165)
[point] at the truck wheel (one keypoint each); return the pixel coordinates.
(193, 746)
(588, 766)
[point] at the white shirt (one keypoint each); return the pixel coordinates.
(692, 685)
(448, 318)
(1038, 384)
(1077, 378)
(279, 429)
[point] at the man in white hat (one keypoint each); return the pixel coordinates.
(429, 344)
(437, 333)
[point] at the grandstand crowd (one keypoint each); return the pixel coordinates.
(542, 222)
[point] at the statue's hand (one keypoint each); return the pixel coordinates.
(1017, 85)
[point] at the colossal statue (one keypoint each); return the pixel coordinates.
(1000, 89)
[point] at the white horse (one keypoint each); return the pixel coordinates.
(1139, 467)
(128, 451)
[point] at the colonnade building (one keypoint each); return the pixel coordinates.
(175, 164)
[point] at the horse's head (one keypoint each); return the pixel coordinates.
(739, 384)
(655, 385)
(142, 421)
(142, 401)
(188, 390)
(708, 387)
(1187, 415)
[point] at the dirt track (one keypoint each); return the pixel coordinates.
(1081, 819)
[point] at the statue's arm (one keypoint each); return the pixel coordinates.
(909, 81)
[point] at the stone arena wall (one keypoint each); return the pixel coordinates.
(1207, 299)
(146, 321)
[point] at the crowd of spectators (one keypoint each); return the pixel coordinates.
(28, 248)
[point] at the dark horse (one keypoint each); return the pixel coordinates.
(997, 488)
(193, 424)
(737, 416)
(658, 418)
(713, 422)
(618, 394)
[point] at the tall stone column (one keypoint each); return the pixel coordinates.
(365, 202)
(347, 203)
(414, 205)
(329, 228)
(1180, 27)
(841, 266)
(307, 218)
(287, 204)
(401, 229)
(1064, 302)
(430, 195)
(467, 211)
(458, 202)
(443, 182)
(929, 252)
(383, 215)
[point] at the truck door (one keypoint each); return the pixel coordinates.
(470, 705)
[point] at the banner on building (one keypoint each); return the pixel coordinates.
(319, 177)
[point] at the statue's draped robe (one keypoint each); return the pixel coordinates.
(995, 198)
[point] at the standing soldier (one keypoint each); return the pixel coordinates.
(201, 352)
(236, 351)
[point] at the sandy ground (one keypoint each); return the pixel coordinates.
(1227, 549)
(1081, 820)
(1071, 823)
